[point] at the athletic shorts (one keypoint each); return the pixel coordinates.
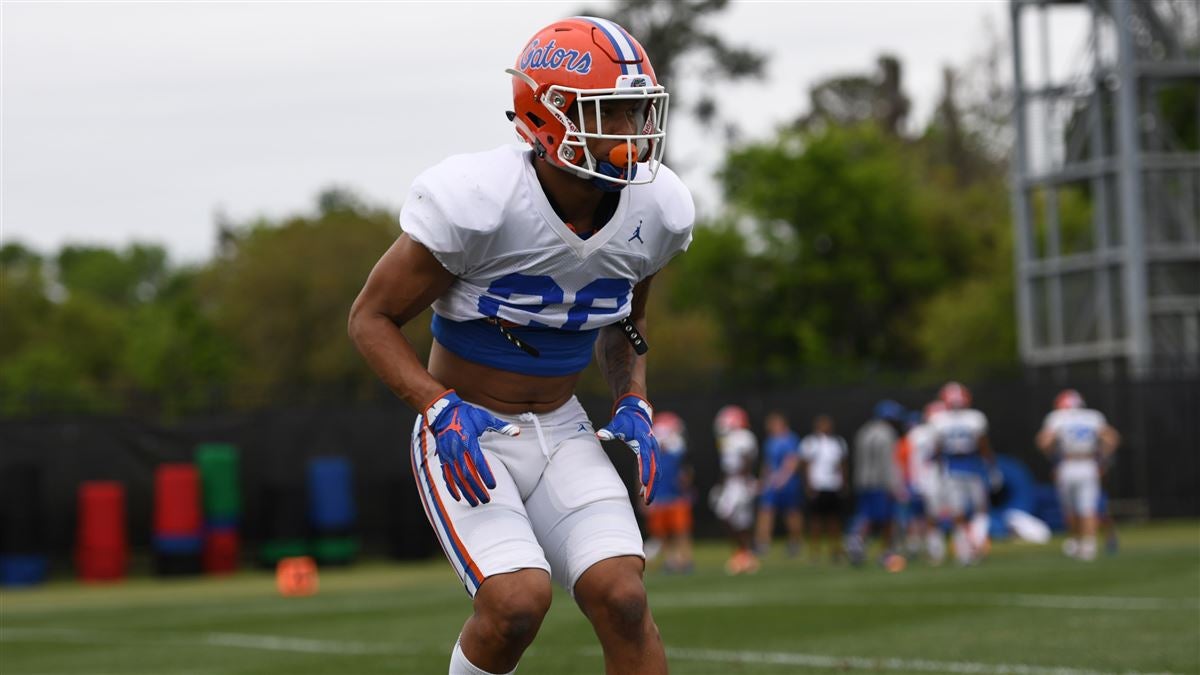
(965, 494)
(1078, 485)
(733, 502)
(558, 504)
(669, 519)
(916, 503)
(875, 506)
(825, 503)
(787, 497)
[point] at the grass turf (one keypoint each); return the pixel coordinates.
(1027, 609)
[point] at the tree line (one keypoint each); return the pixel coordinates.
(848, 247)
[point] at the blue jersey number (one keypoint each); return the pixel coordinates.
(959, 441)
(1080, 434)
(602, 296)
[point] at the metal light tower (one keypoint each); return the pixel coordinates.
(1106, 190)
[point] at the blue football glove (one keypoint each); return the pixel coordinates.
(457, 426)
(632, 423)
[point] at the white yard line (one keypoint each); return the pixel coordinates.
(276, 643)
(279, 643)
(794, 659)
(1025, 600)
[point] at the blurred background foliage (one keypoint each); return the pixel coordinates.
(850, 246)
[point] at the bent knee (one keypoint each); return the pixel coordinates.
(514, 612)
(626, 607)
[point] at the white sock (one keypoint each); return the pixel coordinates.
(979, 530)
(962, 546)
(936, 546)
(1070, 547)
(459, 665)
(1087, 548)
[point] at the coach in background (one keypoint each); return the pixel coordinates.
(1079, 441)
(779, 486)
(823, 463)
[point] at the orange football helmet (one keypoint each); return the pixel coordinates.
(565, 73)
(669, 429)
(932, 408)
(955, 396)
(729, 418)
(1068, 399)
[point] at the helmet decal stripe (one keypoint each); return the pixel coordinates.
(620, 42)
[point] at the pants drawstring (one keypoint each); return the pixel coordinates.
(537, 426)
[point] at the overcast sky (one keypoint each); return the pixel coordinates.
(139, 121)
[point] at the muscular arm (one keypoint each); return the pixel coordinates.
(985, 450)
(790, 467)
(1045, 440)
(405, 281)
(1109, 440)
(622, 368)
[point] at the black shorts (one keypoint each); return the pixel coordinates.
(825, 503)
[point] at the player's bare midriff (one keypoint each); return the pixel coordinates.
(499, 390)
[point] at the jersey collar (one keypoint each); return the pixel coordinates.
(581, 247)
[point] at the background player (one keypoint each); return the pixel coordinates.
(531, 257)
(733, 499)
(779, 485)
(963, 447)
(669, 518)
(876, 480)
(927, 503)
(1081, 442)
(823, 458)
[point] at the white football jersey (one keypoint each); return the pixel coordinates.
(824, 455)
(922, 441)
(485, 217)
(958, 431)
(1076, 431)
(739, 449)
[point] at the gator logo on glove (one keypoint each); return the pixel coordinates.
(632, 423)
(457, 426)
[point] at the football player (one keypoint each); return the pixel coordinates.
(732, 500)
(1081, 442)
(927, 503)
(779, 485)
(533, 257)
(823, 458)
(876, 480)
(669, 518)
(966, 453)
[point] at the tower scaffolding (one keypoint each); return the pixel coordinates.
(1106, 190)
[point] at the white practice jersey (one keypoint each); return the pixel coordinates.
(1076, 431)
(958, 431)
(485, 217)
(922, 467)
(824, 455)
(739, 450)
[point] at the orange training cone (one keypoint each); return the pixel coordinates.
(295, 577)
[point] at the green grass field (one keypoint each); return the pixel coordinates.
(1026, 610)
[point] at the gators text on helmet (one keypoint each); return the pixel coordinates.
(563, 78)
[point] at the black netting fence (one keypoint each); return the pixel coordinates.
(44, 460)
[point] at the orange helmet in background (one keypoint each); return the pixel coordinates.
(1068, 399)
(670, 430)
(955, 396)
(932, 408)
(563, 75)
(729, 418)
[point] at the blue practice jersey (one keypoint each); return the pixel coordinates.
(779, 448)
